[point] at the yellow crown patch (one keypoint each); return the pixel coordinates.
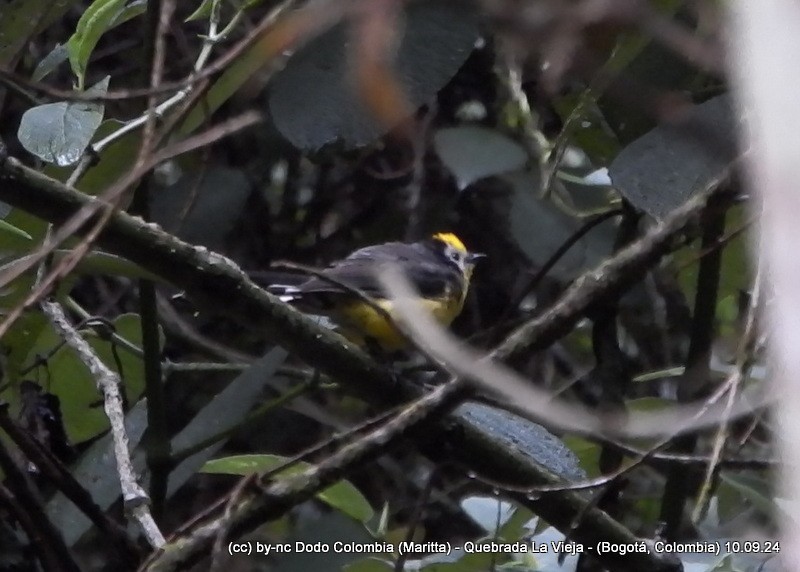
(451, 239)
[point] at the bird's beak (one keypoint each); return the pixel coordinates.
(473, 257)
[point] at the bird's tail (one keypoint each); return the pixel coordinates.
(285, 293)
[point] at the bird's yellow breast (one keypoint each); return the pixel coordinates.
(360, 321)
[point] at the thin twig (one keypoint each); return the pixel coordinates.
(23, 499)
(106, 203)
(744, 359)
(134, 496)
(265, 499)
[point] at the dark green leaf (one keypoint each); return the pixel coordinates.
(222, 413)
(539, 228)
(203, 11)
(21, 19)
(96, 470)
(661, 170)
(94, 263)
(586, 451)
(11, 229)
(753, 488)
(312, 100)
(202, 210)
(105, 264)
(114, 160)
(528, 438)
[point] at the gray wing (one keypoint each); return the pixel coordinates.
(358, 271)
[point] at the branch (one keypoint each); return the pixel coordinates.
(52, 468)
(611, 278)
(268, 500)
(22, 499)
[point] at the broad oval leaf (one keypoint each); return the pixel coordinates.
(202, 211)
(528, 438)
(540, 228)
(60, 132)
(312, 100)
(472, 153)
(659, 171)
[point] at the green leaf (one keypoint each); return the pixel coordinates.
(60, 132)
(753, 488)
(21, 19)
(348, 500)
(50, 62)
(586, 451)
(342, 496)
(312, 100)
(518, 525)
(75, 387)
(224, 412)
(96, 470)
(130, 11)
(106, 264)
(20, 338)
(114, 160)
(203, 11)
(94, 263)
(472, 153)
(587, 127)
(96, 20)
(10, 228)
(661, 170)
(539, 228)
(202, 211)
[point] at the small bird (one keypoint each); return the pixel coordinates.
(440, 268)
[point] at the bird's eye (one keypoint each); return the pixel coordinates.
(455, 256)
